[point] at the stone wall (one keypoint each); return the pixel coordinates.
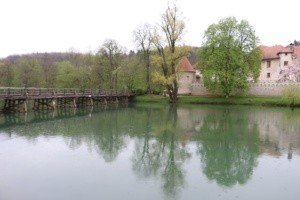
(198, 89)
(185, 80)
(270, 88)
(256, 89)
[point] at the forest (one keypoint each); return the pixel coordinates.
(111, 68)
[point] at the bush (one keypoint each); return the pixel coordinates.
(139, 92)
(292, 95)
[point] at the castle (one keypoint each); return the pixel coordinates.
(279, 66)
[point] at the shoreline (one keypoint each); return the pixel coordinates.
(255, 101)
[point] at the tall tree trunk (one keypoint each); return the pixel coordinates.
(147, 60)
(148, 79)
(172, 92)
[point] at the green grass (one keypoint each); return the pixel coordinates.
(263, 101)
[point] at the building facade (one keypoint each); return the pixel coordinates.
(275, 59)
(186, 76)
(279, 66)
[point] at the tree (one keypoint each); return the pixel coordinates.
(111, 56)
(290, 73)
(132, 74)
(165, 39)
(295, 43)
(142, 37)
(229, 57)
(49, 70)
(6, 73)
(29, 73)
(67, 76)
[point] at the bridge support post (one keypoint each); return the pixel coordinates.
(53, 104)
(91, 102)
(126, 99)
(104, 101)
(44, 104)
(25, 106)
(15, 105)
(74, 103)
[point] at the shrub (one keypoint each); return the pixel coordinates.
(292, 94)
(139, 92)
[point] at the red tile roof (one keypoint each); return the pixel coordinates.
(273, 51)
(185, 65)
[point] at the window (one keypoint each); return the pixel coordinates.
(187, 77)
(286, 54)
(268, 75)
(286, 63)
(269, 63)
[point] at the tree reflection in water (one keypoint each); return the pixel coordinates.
(159, 152)
(109, 138)
(227, 143)
(228, 146)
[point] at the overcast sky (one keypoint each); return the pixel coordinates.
(29, 26)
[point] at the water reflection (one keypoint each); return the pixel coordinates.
(162, 156)
(229, 140)
(228, 146)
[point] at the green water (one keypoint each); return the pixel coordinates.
(151, 152)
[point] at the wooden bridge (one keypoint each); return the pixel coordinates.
(16, 99)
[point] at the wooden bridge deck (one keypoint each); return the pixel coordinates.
(15, 98)
(44, 93)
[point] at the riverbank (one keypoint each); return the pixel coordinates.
(258, 101)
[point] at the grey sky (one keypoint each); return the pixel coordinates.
(58, 25)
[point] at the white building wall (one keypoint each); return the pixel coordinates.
(285, 57)
(185, 80)
(276, 66)
(273, 70)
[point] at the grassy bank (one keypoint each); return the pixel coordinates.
(263, 101)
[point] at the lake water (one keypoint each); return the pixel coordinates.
(151, 152)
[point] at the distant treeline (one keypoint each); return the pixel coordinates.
(104, 70)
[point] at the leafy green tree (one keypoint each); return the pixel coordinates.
(132, 74)
(49, 70)
(29, 73)
(229, 58)
(111, 54)
(6, 74)
(67, 76)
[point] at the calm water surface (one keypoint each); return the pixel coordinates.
(151, 152)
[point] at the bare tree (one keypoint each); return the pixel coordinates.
(165, 38)
(142, 37)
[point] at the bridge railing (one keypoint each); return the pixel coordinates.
(31, 93)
